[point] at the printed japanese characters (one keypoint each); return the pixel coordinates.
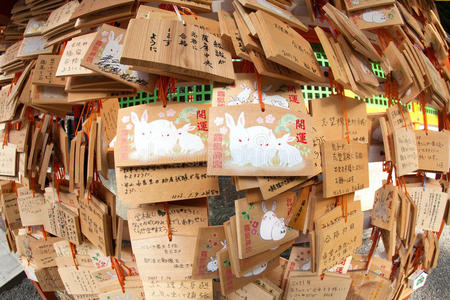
(153, 135)
(243, 140)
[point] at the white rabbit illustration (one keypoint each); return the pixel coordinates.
(113, 47)
(242, 97)
(271, 227)
(275, 100)
(374, 16)
(127, 297)
(164, 136)
(189, 142)
(262, 146)
(142, 136)
(257, 270)
(289, 155)
(239, 139)
(212, 266)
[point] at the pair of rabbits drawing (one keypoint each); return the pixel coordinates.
(159, 138)
(244, 97)
(258, 146)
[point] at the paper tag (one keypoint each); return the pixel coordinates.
(153, 135)
(345, 167)
(431, 203)
(245, 141)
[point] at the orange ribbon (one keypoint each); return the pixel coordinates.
(169, 230)
(259, 86)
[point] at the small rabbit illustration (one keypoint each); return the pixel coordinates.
(262, 146)
(289, 155)
(239, 139)
(275, 100)
(212, 266)
(142, 136)
(189, 142)
(164, 136)
(242, 97)
(374, 16)
(271, 227)
(113, 48)
(257, 270)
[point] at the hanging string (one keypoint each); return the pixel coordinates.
(14, 81)
(73, 250)
(424, 112)
(169, 230)
(258, 84)
(5, 137)
(63, 47)
(376, 233)
(44, 233)
(120, 277)
(122, 264)
(79, 119)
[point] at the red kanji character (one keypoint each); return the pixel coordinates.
(301, 137)
(203, 126)
(300, 124)
(201, 114)
(293, 98)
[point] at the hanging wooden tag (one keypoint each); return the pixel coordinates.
(364, 282)
(345, 167)
(49, 279)
(109, 113)
(103, 57)
(45, 71)
(245, 141)
(385, 207)
(210, 240)
(376, 17)
(285, 46)
(76, 48)
(308, 285)
(154, 135)
(229, 282)
(62, 222)
(78, 281)
(31, 207)
(210, 61)
(167, 183)
(433, 150)
(8, 155)
(273, 186)
(274, 92)
(358, 5)
(96, 224)
(261, 226)
(241, 267)
(60, 16)
(338, 241)
(299, 260)
(406, 159)
(251, 290)
(328, 114)
(33, 46)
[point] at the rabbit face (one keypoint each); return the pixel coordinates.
(261, 138)
(283, 141)
(113, 48)
(212, 266)
(374, 17)
(239, 136)
(259, 269)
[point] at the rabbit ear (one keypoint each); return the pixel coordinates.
(188, 127)
(274, 205)
(229, 120)
(263, 206)
(282, 220)
(119, 38)
(134, 118)
(111, 36)
(144, 117)
(285, 137)
(267, 88)
(241, 120)
(291, 139)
